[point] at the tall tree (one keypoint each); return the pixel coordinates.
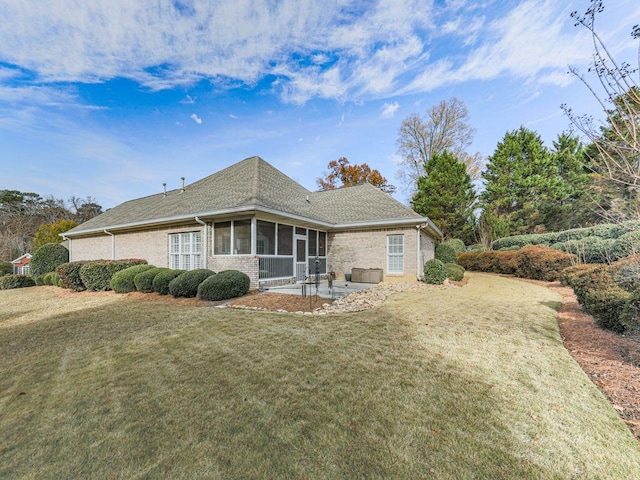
(616, 146)
(521, 179)
(445, 195)
(343, 174)
(576, 204)
(49, 233)
(444, 127)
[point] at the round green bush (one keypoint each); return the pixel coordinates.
(96, 275)
(435, 272)
(186, 285)
(69, 274)
(9, 282)
(624, 245)
(39, 280)
(47, 258)
(123, 281)
(446, 253)
(457, 244)
(161, 280)
(454, 271)
(224, 285)
(144, 280)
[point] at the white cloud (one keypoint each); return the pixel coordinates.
(337, 49)
(196, 118)
(389, 109)
(231, 115)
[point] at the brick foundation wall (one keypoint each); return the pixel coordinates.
(245, 263)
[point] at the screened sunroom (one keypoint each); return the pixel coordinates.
(283, 250)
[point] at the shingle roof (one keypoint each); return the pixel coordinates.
(255, 184)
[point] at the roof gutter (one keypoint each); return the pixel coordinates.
(113, 243)
(206, 243)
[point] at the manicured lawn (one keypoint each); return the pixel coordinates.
(469, 382)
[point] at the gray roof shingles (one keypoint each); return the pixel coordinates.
(254, 183)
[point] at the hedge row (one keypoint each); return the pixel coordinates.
(9, 282)
(535, 262)
(611, 293)
(96, 276)
(603, 231)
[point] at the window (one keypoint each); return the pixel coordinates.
(395, 253)
(242, 237)
(322, 244)
(185, 250)
(313, 243)
(266, 242)
(285, 240)
(222, 238)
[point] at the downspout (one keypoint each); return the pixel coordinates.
(418, 266)
(113, 244)
(206, 244)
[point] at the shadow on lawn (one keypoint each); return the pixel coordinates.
(133, 390)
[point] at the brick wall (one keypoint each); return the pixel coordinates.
(368, 249)
(245, 263)
(151, 245)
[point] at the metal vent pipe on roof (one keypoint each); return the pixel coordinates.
(164, 188)
(182, 189)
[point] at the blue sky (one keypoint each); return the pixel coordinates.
(111, 98)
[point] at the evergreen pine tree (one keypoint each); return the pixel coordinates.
(445, 195)
(522, 179)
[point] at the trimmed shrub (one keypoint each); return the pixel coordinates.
(47, 258)
(435, 272)
(542, 263)
(161, 280)
(96, 275)
(626, 245)
(186, 285)
(69, 274)
(510, 249)
(631, 312)
(224, 285)
(457, 244)
(143, 281)
(591, 249)
(446, 253)
(626, 273)
(454, 271)
(46, 278)
(607, 306)
(6, 268)
(123, 281)
(9, 282)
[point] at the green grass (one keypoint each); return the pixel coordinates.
(460, 383)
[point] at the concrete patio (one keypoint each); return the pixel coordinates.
(340, 288)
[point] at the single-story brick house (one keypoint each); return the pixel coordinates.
(21, 265)
(252, 217)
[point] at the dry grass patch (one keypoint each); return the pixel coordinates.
(459, 383)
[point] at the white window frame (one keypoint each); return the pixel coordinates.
(394, 253)
(185, 250)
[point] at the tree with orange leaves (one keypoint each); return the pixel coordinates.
(343, 174)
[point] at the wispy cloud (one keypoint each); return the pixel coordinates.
(188, 100)
(334, 49)
(389, 110)
(196, 118)
(231, 115)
